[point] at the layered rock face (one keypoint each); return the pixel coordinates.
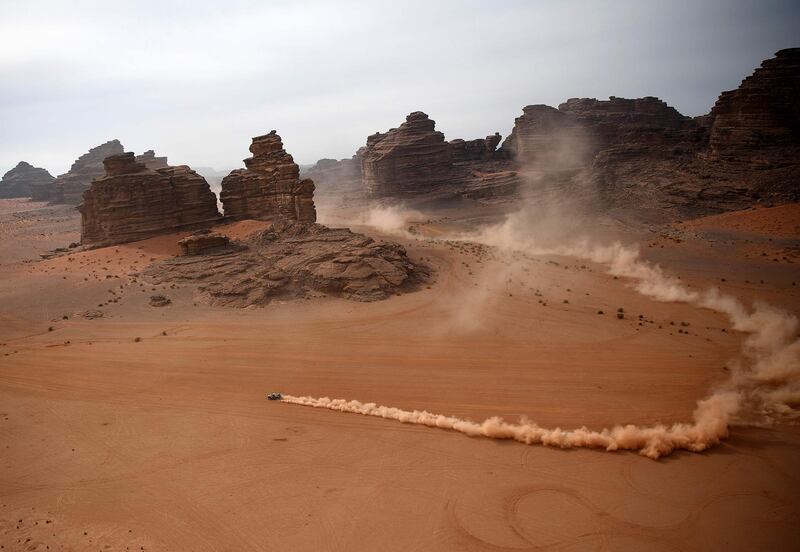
(296, 260)
(644, 122)
(411, 159)
(270, 187)
(330, 175)
(481, 149)
(611, 153)
(204, 242)
(759, 122)
(547, 139)
(149, 160)
(337, 184)
(132, 202)
(19, 181)
(69, 187)
(580, 128)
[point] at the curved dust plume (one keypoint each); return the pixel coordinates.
(652, 442)
(764, 385)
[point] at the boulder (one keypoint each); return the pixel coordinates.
(202, 243)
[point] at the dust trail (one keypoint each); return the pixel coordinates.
(652, 442)
(764, 385)
(391, 219)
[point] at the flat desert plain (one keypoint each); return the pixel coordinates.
(125, 426)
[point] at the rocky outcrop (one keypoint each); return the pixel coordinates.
(132, 202)
(759, 123)
(643, 122)
(487, 185)
(337, 184)
(69, 187)
(414, 162)
(643, 154)
(19, 181)
(411, 159)
(296, 260)
(330, 175)
(481, 149)
(614, 153)
(572, 135)
(544, 135)
(203, 242)
(149, 160)
(270, 187)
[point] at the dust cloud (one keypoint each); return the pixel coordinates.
(764, 385)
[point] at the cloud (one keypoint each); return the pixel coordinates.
(196, 80)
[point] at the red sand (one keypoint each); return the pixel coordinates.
(168, 443)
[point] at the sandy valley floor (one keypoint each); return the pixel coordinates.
(147, 429)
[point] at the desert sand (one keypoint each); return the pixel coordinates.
(132, 427)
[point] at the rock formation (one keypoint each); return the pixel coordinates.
(337, 184)
(411, 159)
(481, 149)
(542, 134)
(270, 187)
(149, 160)
(295, 260)
(572, 135)
(760, 121)
(203, 242)
(19, 181)
(643, 153)
(132, 202)
(69, 187)
(331, 176)
(754, 135)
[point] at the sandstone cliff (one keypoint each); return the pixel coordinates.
(754, 135)
(132, 202)
(19, 181)
(643, 154)
(481, 149)
(69, 187)
(270, 187)
(411, 159)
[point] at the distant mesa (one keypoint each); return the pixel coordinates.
(132, 201)
(270, 187)
(149, 160)
(69, 187)
(19, 181)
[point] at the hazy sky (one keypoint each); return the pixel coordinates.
(196, 80)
